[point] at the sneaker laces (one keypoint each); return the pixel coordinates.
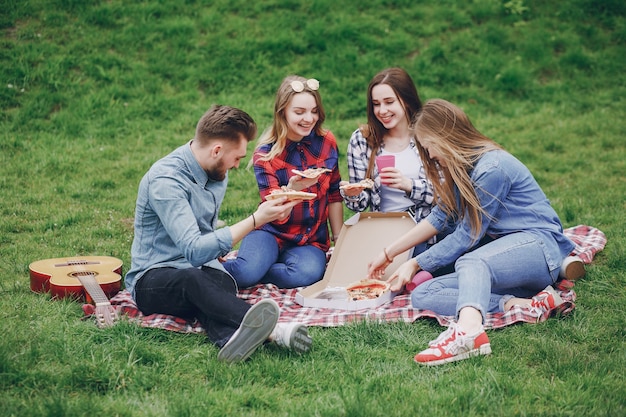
(544, 302)
(445, 335)
(453, 340)
(457, 344)
(278, 335)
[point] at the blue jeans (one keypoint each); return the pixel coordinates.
(485, 278)
(208, 294)
(260, 260)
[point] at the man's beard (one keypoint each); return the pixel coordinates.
(217, 173)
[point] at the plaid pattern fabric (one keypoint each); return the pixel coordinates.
(307, 223)
(589, 241)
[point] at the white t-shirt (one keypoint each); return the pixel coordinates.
(393, 199)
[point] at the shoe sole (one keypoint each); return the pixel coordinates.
(254, 330)
(482, 350)
(575, 271)
(300, 341)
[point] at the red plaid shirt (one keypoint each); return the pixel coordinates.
(308, 222)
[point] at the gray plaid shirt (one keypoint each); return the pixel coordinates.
(359, 154)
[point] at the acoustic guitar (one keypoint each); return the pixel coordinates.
(91, 278)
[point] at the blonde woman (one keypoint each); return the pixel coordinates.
(505, 240)
(291, 252)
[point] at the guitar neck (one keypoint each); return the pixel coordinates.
(88, 280)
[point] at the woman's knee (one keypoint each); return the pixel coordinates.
(428, 295)
(309, 273)
(418, 296)
(300, 274)
(245, 273)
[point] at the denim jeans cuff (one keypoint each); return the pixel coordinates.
(504, 300)
(475, 306)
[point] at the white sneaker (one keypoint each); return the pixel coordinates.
(294, 336)
(572, 268)
(254, 329)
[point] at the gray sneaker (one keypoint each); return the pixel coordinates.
(294, 336)
(543, 303)
(255, 328)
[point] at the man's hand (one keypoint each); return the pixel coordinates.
(272, 210)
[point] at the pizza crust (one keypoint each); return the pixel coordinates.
(290, 194)
(365, 183)
(311, 172)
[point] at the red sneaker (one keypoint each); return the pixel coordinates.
(544, 302)
(454, 345)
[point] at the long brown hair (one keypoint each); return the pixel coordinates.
(444, 127)
(402, 85)
(277, 133)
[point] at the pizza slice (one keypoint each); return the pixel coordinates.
(311, 172)
(367, 289)
(364, 183)
(290, 194)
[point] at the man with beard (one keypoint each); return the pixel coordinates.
(174, 257)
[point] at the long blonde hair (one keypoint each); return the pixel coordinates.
(276, 134)
(446, 129)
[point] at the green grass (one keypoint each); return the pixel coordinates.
(93, 92)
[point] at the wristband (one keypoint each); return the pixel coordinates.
(387, 255)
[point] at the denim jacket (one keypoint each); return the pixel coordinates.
(175, 217)
(513, 202)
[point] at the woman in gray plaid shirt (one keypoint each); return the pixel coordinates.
(392, 102)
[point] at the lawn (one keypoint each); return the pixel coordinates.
(93, 92)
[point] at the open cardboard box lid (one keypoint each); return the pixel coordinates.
(364, 236)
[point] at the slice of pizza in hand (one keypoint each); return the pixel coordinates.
(367, 289)
(364, 183)
(311, 172)
(290, 194)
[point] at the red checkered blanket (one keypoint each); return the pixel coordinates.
(588, 241)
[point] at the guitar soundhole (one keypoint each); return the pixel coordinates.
(77, 274)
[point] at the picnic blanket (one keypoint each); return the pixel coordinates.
(588, 240)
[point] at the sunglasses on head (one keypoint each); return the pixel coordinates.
(298, 86)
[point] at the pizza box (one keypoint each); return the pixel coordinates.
(364, 236)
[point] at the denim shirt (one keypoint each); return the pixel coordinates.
(175, 218)
(513, 201)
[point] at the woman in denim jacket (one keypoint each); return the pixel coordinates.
(504, 238)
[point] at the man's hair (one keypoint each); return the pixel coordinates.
(225, 122)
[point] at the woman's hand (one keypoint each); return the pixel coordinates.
(299, 183)
(352, 191)
(403, 275)
(393, 178)
(376, 268)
